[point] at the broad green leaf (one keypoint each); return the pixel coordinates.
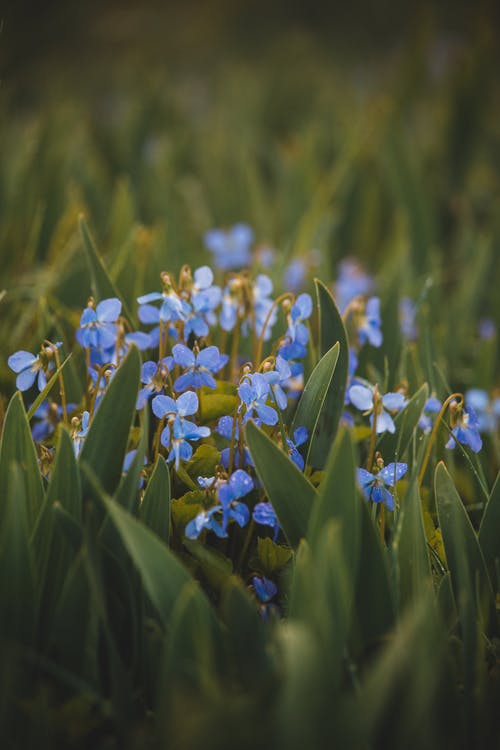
(71, 620)
(469, 575)
(18, 586)
(215, 405)
(271, 556)
(192, 655)
(107, 439)
(313, 410)
(128, 489)
(52, 550)
(50, 384)
(374, 608)
(203, 463)
(101, 284)
(411, 546)
(331, 330)
(290, 493)
(245, 637)
(406, 421)
(17, 446)
(338, 499)
(155, 507)
(162, 574)
(489, 535)
(213, 565)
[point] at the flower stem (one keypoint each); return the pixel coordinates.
(434, 433)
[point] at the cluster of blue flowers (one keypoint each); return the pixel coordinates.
(183, 320)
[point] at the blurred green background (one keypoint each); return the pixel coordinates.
(366, 129)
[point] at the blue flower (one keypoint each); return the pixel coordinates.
(204, 300)
(254, 392)
(79, 435)
(487, 329)
(231, 248)
(172, 307)
(300, 436)
(487, 410)
(98, 328)
(264, 514)
(295, 275)
(353, 281)
(407, 315)
(30, 367)
(301, 311)
(200, 365)
(431, 408)
(466, 428)
(229, 508)
(179, 430)
(262, 303)
(154, 376)
(368, 323)
(362, 398)
(264, 588)
(48, 414)
(276, 378)
(374, 486)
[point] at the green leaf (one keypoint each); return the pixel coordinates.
(331, 330)
(469, 575)
(489, 533)
(314, 411)
(155, 507)
(18, 589)
(101, 284)
(52, 551)
(107, 439)
(216, 567)
(245, 637)
(215, 405)
(338, 499)
(394, 445)
(374, 600)
(17, 446)
(193, 651)
(411, 546)
(203, 462)
(290, 493)
(162, 574)
(272, 557)
(50, 383)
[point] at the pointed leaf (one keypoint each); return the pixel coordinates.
(411, 546)
(289, 492)
(101, 284)
(469, 575)
(155, 507)
(489, 535)
(314, 410)
(17, 446)
(50, 384)
(162, 574)
(106, 441)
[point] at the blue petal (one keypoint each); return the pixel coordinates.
(151, 297)
(384, 423)
(183, 382)
(148, 314)
(140, 339)
(163, 405)
(88, 316)
(25, 380)
(203, 277)
(361, 397)
(183, 356)
(392, 473)
(149, 370)
(21, 360)
(300, 435)
(241, 483)
(267, 414)
(264, 514)
(393, 401)
(187, 404)
(240, 513)
(264, 589)
(108, 310)
(365, 478)
(209, 358)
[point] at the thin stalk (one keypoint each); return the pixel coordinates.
(62, 389)
(434, 433)
(260, 342)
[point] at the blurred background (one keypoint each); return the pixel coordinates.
(366, 129)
